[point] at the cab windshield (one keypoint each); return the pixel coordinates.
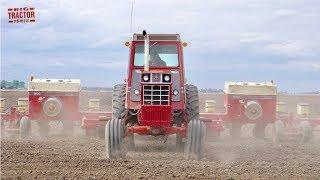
(161, 55)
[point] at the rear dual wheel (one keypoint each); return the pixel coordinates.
(195, 140)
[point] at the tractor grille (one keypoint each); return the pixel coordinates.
(156, 94)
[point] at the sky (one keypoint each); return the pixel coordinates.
(228, 40)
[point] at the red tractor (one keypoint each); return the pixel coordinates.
(155, 99)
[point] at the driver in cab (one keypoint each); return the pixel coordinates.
(155, 60)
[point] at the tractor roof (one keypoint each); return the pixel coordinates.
(157, 37)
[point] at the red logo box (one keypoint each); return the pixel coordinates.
(21, 15)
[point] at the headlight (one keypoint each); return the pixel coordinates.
(166, 78)
(136, 91)
(175, 92)
(145, 77)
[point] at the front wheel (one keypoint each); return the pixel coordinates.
(114, 139)
(195, 140)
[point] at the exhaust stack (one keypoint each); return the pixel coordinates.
(146, 50)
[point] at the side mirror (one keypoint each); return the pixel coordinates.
(184, 44)
(127, 44)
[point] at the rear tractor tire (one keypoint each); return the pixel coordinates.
(195, 140)
(25, 127)
(114, 139)
(118, 101)
(192, 104)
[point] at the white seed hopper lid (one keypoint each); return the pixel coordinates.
(250, 88)
(58, 85)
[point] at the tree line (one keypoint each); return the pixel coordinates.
(15, 84)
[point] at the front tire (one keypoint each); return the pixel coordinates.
(195, 140)
(192, 102)
(114, 139)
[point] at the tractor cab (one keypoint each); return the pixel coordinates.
(156, 78)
